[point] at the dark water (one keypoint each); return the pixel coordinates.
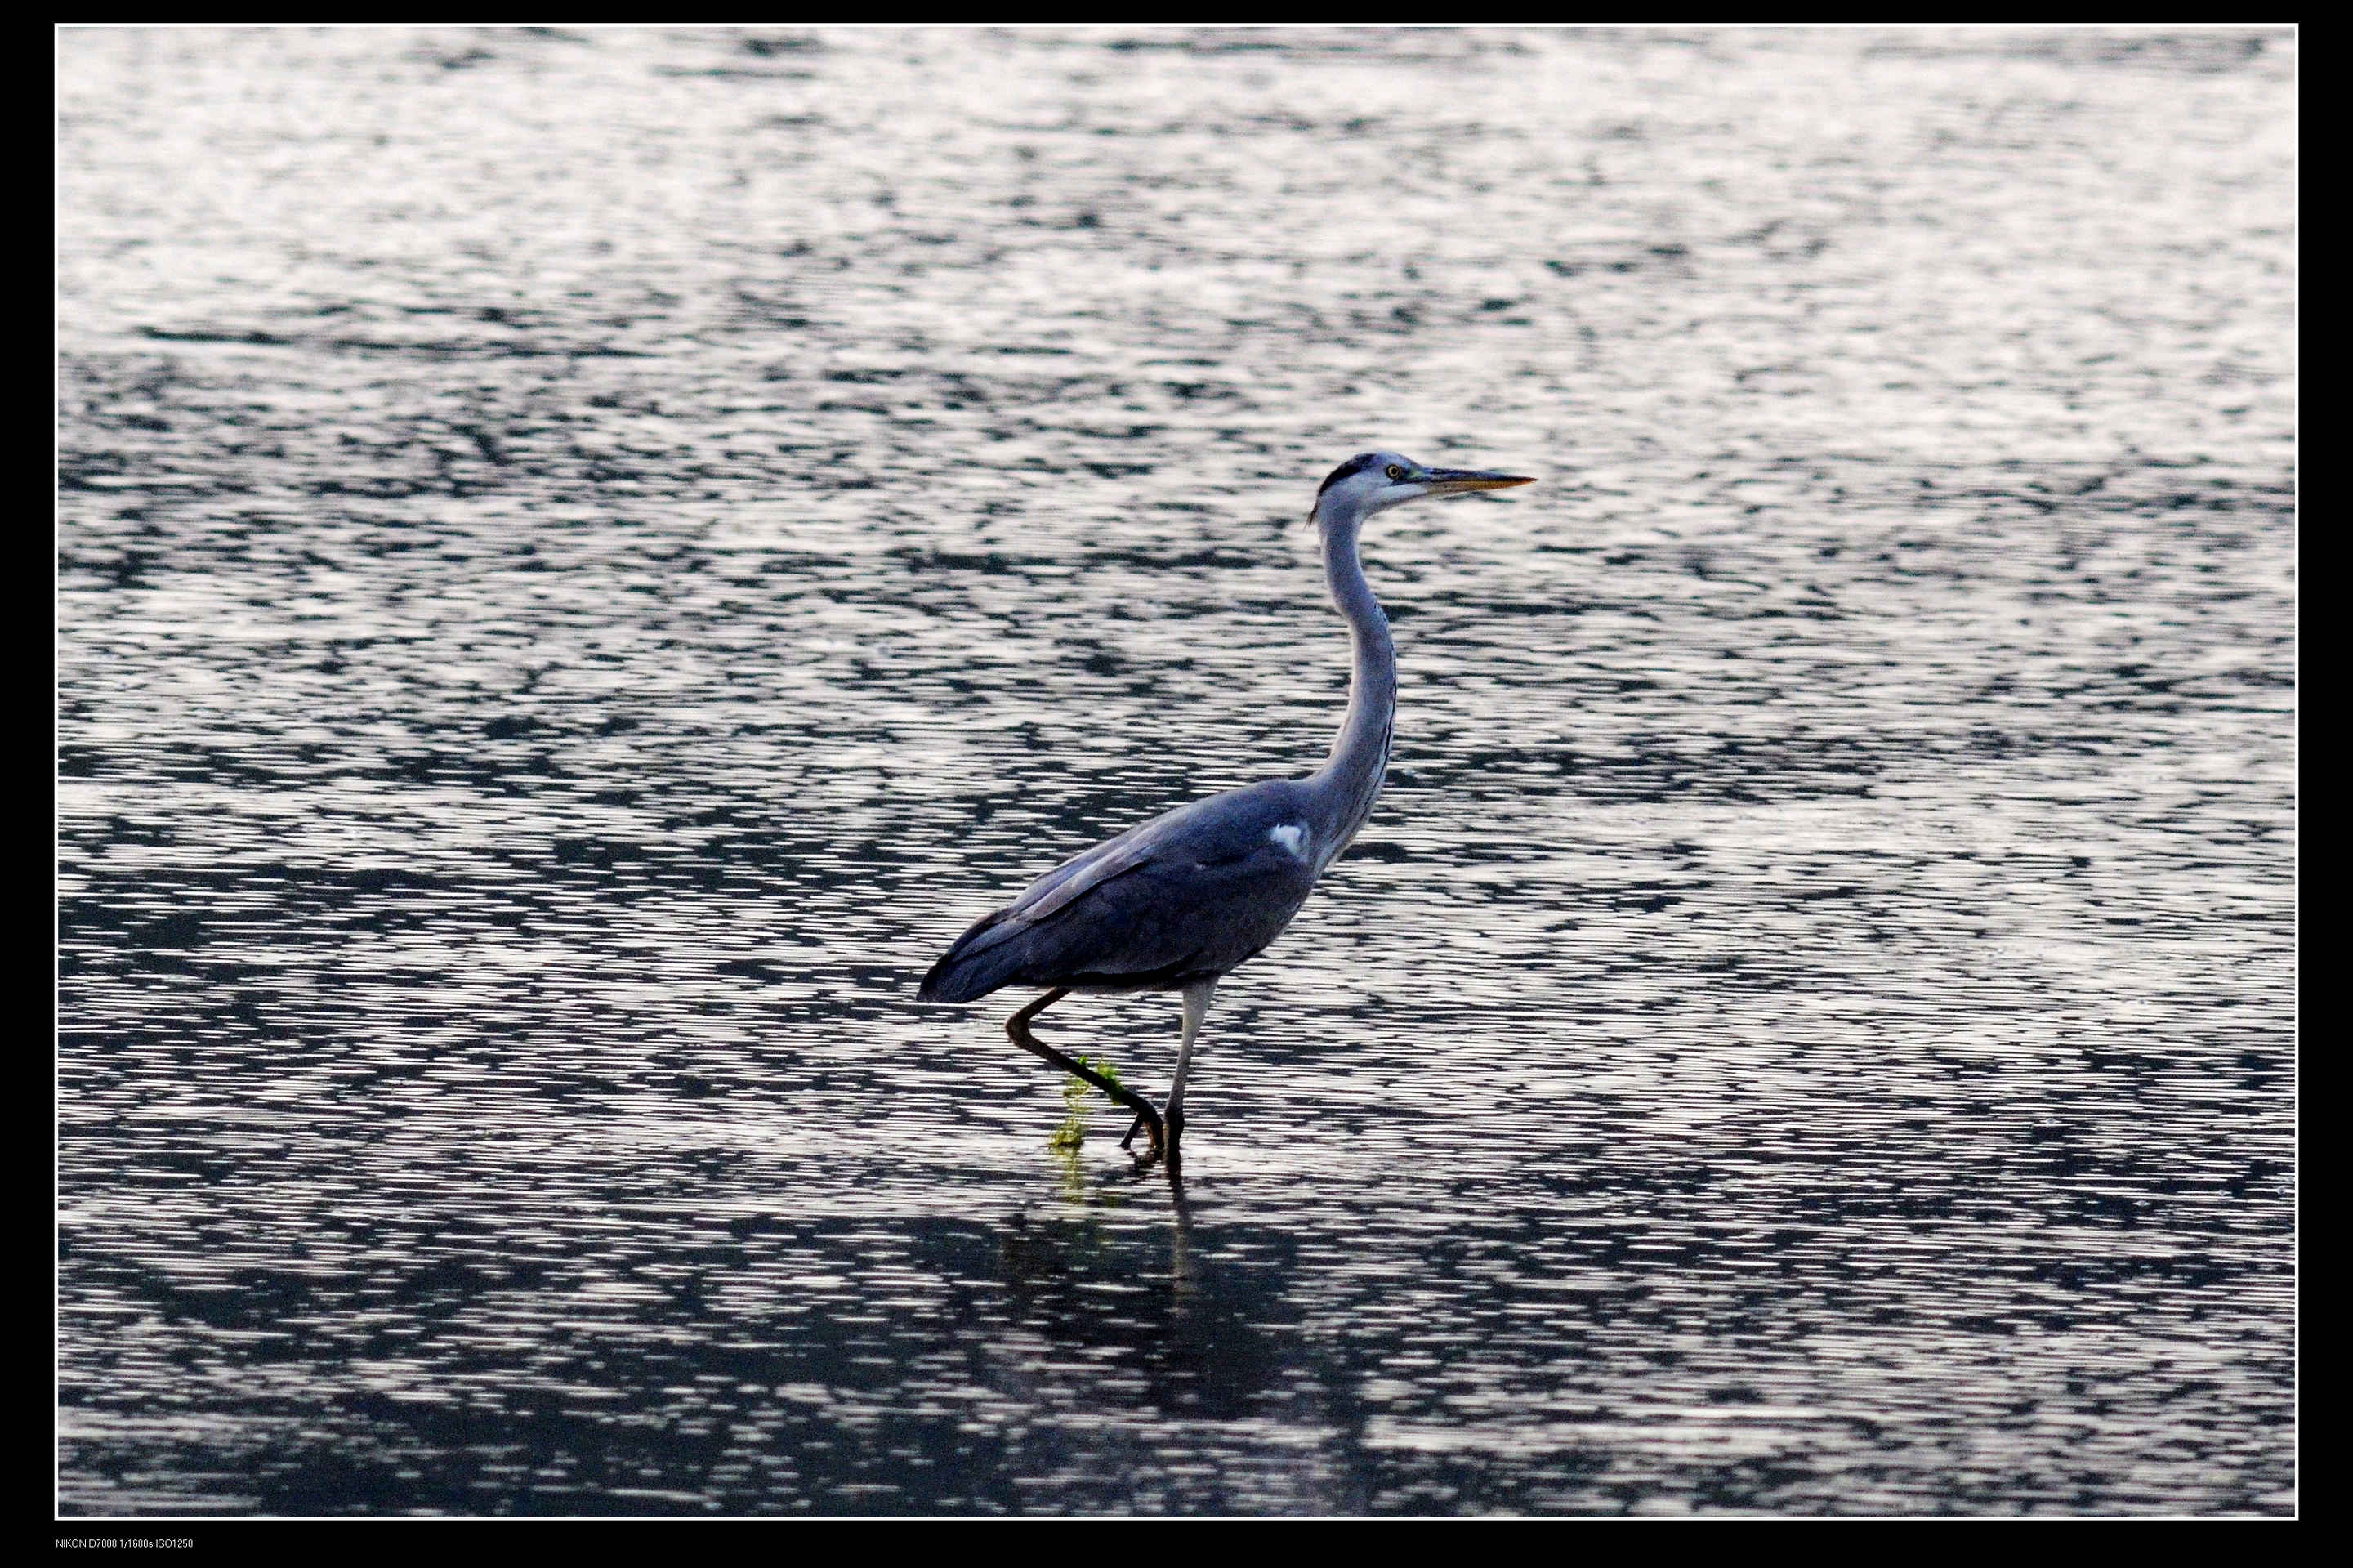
(586, 559)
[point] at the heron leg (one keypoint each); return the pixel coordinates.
(1017, 1026)
(1196, 1008)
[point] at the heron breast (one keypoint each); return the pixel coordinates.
(1292, 838)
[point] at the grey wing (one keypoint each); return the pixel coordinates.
(1193, 893)
(1167, 919)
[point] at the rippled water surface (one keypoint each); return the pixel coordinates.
(585, 560)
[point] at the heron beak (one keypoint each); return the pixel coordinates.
(1455, 481)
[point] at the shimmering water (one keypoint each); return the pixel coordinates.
(586, 559)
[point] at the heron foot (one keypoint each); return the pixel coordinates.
(1171, 1127)
(1146, 1121)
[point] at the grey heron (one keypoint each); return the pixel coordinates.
(1176, 903)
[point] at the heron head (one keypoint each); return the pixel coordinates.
(1375, 482)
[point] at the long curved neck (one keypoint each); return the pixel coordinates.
(1350, 779)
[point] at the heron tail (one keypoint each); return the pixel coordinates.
(967, 975)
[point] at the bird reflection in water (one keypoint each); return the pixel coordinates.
(1148, 1312)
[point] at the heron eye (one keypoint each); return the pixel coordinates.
(1396, 473)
